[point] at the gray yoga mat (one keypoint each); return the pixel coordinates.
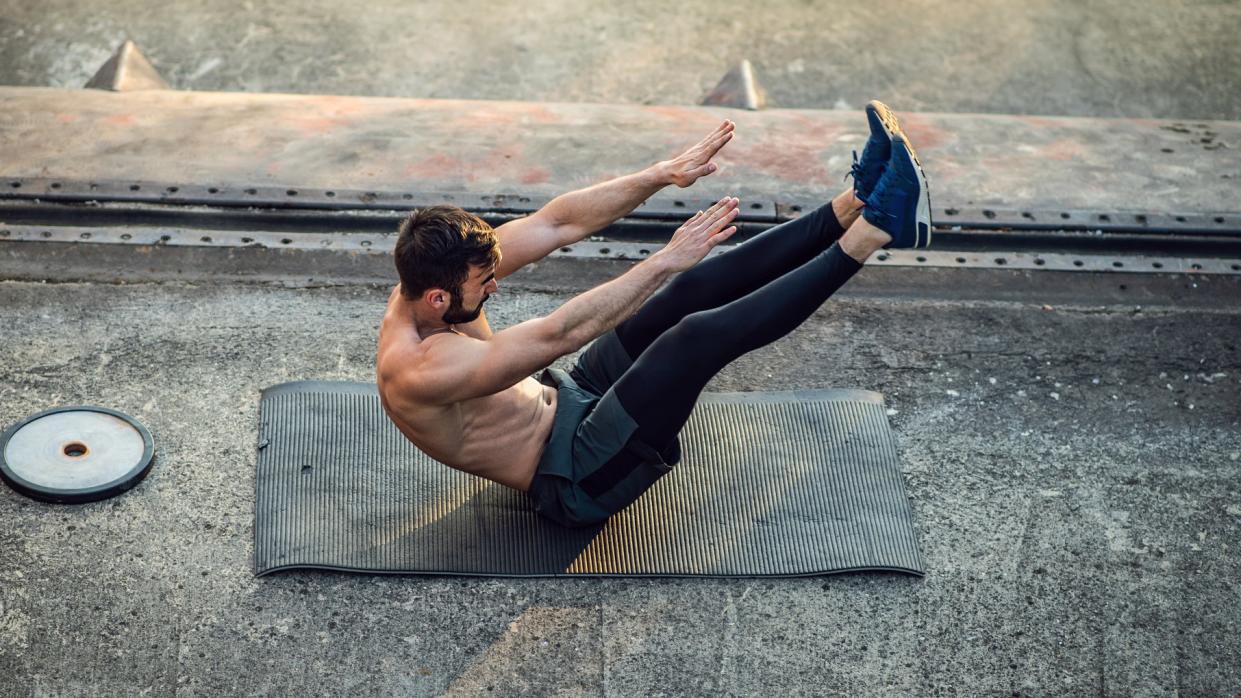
(770, 484)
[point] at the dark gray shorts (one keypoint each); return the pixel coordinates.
(592, 431)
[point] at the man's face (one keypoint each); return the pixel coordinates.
(477, 288)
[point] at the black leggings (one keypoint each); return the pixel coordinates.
(725, 306)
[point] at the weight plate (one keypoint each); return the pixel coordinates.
(75, 454)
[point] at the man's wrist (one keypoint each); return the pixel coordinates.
(659, 264)
(659, 174)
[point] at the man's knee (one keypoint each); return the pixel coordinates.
(688, 284)
(707, 332)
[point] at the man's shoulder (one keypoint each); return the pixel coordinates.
(406, 391)
(420, 371)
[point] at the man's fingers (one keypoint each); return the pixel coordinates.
(718, 140)
(724, 219)
(715, 210)
(716, 207)
(725, 125)
(716, 143)
(722, 235)
(718, 214)
(723, 131)
(724, 209)
(726, 204)
(712, 148)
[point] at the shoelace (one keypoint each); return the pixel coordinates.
(855, 171)
(874, 202)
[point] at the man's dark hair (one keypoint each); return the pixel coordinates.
(435, 247)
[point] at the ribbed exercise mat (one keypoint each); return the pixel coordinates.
(770, 484)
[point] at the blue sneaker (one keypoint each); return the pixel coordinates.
(900, 205)
(878, 150)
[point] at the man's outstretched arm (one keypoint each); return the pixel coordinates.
(571, 217)
(459, 368)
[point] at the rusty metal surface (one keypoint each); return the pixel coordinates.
(665, 206)
(381, 244)
(678, 203)
(785, 156)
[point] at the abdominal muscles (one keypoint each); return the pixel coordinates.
(499, 437)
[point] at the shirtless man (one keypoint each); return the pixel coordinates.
(586, 443)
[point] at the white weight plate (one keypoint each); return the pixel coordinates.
(76, 452)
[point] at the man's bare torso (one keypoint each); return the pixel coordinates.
(499, 437)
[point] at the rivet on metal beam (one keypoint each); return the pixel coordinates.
(738, 89)
(127, 70)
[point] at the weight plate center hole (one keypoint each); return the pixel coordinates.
(76, 449)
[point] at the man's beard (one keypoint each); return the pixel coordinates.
(458, 315)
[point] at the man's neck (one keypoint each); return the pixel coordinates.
(424, 333)
(425, 327)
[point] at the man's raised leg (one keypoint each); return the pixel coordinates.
(739, 271)
(663, 385)
(714, 282)
(733, 274)
(650, 403)
(658, 392)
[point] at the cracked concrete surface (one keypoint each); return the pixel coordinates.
(1074, 475)
(1073, 458)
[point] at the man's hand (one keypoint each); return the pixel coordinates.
(686, 168)
(693, 240)
(570, 217)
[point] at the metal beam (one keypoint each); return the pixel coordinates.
(669, 207)
(382, 242)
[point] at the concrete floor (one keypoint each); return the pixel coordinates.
(1056, 57)
(1073, 470)
(1073, 458)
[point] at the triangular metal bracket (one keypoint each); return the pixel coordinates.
(127, 70)
(738, 89)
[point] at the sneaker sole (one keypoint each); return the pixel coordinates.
(924, 200)
(892, 127)
(924, 205)
(923, 220)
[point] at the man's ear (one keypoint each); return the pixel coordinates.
(436, 297)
